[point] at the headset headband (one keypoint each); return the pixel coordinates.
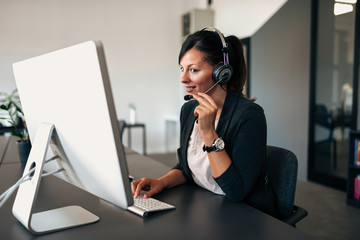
(225, 48)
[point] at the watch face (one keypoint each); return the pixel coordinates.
(219, 143)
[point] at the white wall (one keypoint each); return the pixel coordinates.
(280, 77)
(141, 40)
(280, 58)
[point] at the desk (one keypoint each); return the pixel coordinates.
(199, 214)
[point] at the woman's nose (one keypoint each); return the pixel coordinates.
(184, 78)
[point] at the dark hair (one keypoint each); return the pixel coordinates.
(209, 43)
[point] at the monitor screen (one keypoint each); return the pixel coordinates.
(70, 89)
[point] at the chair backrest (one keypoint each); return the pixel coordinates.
(282, 166)
(122, 125)
(322, 116)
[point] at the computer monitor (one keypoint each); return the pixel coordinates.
(68, 105)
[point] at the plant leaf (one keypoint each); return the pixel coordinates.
(3, 107)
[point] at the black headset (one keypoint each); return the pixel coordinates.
(223, 71)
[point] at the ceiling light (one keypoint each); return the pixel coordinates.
(346, 1)
(341, 8)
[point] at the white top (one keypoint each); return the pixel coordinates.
(199, 163)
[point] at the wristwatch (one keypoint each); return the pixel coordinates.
(217, 145)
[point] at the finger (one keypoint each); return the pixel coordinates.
(140, 186)
(156, 187)
(199, 98)
(150, 193)
(202, 110)
(133, 185)
(199, 110)
(208, 98)
(206, 101)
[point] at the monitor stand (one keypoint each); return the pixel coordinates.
(51, 220)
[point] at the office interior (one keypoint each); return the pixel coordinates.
(300, 55)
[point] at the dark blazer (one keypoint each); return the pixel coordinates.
(242, 125)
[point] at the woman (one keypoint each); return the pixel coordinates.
(223, 133)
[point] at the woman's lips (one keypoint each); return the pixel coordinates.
(189, 89)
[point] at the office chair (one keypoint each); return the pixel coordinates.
(323, 118)
(282, 166)
(122, 125)
(329, 120)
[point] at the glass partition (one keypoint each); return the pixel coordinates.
(333, 90)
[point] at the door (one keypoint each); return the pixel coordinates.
(332, 89)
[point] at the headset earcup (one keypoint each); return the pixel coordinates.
(222, 72)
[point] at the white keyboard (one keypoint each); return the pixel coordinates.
(142, 206)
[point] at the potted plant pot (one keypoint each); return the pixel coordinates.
(24, 148)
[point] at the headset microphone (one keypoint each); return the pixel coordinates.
(189, 97)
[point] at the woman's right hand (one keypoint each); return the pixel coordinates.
(152, 186)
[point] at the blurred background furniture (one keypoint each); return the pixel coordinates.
(124, 125)
(329, 120)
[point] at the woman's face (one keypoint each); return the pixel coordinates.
(196, 72)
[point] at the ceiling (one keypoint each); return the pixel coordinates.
(247, 15)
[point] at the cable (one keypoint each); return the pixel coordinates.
(52, 158)
(5, 196)
(53, 172)
(7, 193)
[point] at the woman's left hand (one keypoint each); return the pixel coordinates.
(206, 112)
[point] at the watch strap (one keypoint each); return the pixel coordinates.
(213, 146)
(209, 149)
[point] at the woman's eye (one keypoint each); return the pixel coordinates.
(181, 69)
(194, 70)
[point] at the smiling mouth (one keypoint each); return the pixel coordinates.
(190, 89)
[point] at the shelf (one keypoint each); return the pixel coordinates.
(353, 202)
(354, 167)
(353, 170)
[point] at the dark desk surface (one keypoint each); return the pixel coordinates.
(199, 214)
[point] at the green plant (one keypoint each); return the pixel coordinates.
(132, 106)
(10, 103)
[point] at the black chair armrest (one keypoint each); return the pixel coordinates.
(298, 214)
